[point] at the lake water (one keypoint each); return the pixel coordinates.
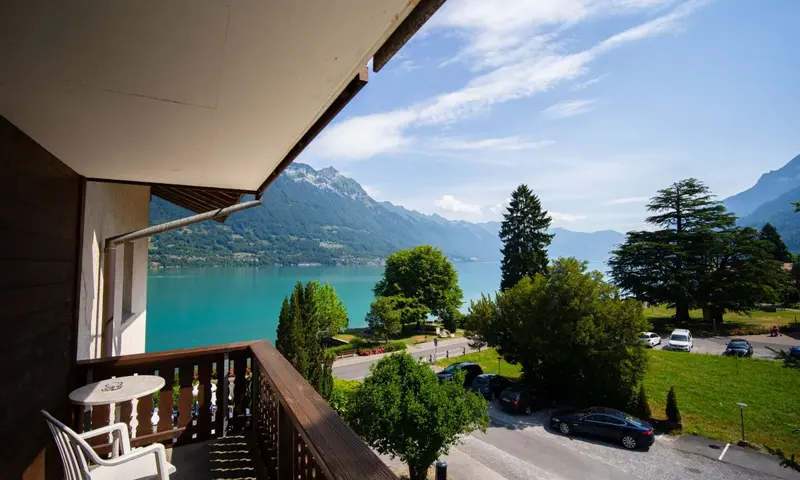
(207, 306)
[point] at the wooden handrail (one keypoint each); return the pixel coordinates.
(166, 356)
(338, 451)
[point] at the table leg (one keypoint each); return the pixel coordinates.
(117, 416)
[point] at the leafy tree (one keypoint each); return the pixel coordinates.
(572, 333)
(663, 266)
(477, 323)
(342, 395)
(642, 405)
(424, 275)
(302, 326)
(525, 238)
(385, 317)
(403, 410)
(673, 413)
(778, 250)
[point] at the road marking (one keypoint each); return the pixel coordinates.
(723, 451)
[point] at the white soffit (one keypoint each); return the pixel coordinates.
(211, 93)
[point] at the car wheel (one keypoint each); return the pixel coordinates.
(628, 442)
(565, 428)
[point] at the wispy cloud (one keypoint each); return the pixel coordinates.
(621, 201)
(569, 108)
(566, 217)
(452, 204)
(498, 143)
(517, 62)
(590, 82)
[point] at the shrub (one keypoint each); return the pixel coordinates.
(341, 348)
(342, 395)
(673, 413)
(642, 405)
(395, 347)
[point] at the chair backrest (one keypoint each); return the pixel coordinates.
(73, 449)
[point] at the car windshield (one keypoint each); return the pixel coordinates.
(738, 343)
(451, 369)
(512, 394)
(481, 381)
(678, 337)
(632, 420)
(644, 336)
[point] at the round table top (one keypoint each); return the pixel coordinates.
(116, 390)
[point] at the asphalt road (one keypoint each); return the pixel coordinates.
(356, 368)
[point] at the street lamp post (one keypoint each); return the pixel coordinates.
(741, 413)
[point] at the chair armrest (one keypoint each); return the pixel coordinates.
(120, 428)
(154, 449)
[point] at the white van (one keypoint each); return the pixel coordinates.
(681, 340)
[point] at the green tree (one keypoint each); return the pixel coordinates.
(572, 333)
(303, 325)
(385, 317)
(403, 410)
(663, 266)
(778, 250)
(422, 274)
(672, 410)
(477, 323)
(642, 405)
(525, 238)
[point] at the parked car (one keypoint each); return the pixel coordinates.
(605, 423)
(739, 346)
(519, 399)
(650, 339)
(472, 370)
(680, 340)
(794, 352)
(489, 385)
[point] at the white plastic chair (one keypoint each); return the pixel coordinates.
(146, 463)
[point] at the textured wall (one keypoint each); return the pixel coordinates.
(112, 209)
(40, 217)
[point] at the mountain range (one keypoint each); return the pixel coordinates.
(770, 200)
(323, 217)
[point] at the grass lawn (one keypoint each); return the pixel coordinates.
(757, 322)
(708, 388)
(409, 338)
(487, 359)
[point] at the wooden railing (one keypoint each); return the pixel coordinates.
(234, 387)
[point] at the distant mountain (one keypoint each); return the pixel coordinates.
(780, 213)
(769, 187)
(322, 216)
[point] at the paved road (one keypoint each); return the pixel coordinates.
(356, 368)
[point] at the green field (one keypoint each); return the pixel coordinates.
(411, 338)
(757, 322)
(708, 388)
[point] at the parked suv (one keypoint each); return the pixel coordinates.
(680, 340)
(472, 370)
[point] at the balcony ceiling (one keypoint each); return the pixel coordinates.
(180, 92)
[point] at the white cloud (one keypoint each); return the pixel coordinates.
(520, 64)
(620, 201)
(407, 65)
(498, 143)
(371, 191)
(590, 82)
(568, 109)
(500, 207)
(566, 217)
(452, 204)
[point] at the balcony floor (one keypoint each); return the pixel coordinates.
(233, 457)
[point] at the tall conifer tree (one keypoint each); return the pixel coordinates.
(525, 238)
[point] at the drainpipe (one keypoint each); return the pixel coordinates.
(110, 262)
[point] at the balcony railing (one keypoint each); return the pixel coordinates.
(211, 392)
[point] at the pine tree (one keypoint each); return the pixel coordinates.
(283, 340)
(642, 405)
(778, 250)
(664, 266)
(525, 238)
(673, 413)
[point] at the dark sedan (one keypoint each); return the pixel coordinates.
(519, 399)
(489, 385)
(605, 423)
(471, 370)
(740, 347)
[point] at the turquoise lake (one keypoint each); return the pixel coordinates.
(207, 306)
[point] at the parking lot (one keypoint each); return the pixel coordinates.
(716, 345)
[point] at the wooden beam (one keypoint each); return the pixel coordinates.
(412, 23)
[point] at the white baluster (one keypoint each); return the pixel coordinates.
(134, 423)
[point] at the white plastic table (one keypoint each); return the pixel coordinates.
(115, 391)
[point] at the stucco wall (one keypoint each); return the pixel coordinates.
(112, 209)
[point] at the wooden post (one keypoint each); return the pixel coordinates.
(109, 284)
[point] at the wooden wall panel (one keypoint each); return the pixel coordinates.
(40, 226)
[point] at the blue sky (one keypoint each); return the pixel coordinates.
(595, 104)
